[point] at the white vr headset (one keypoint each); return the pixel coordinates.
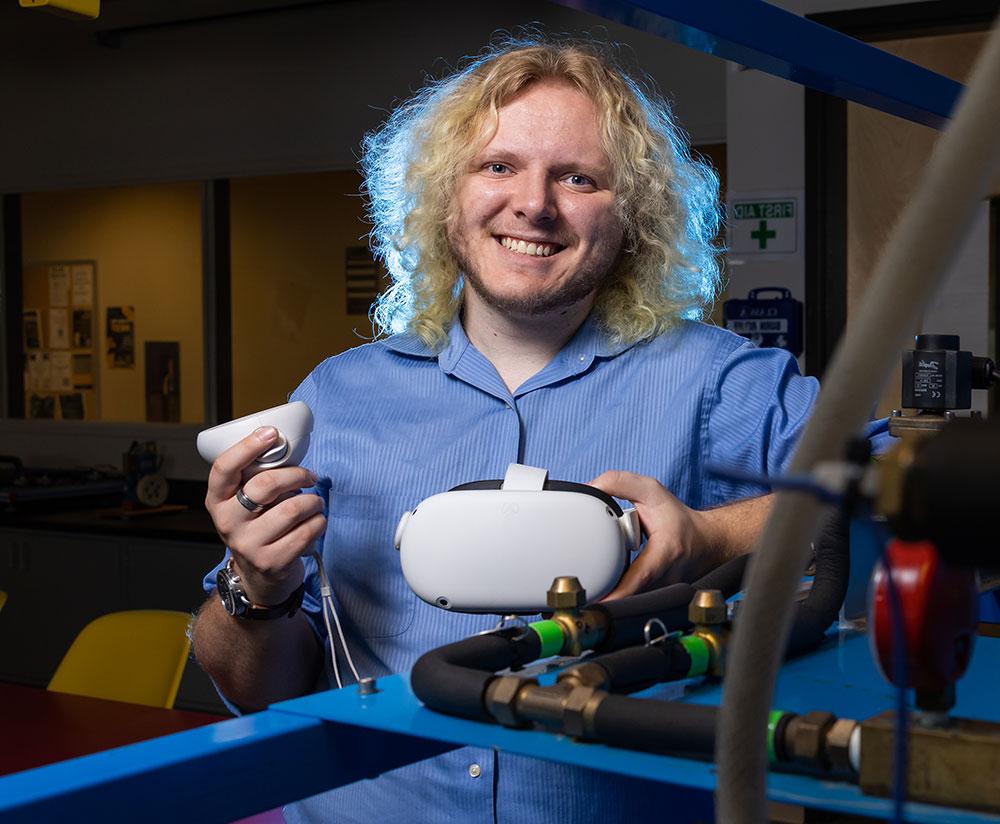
(496, 546)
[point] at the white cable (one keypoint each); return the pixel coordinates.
(328, 608)
(343, 643)
(329, 638)
(964, 164)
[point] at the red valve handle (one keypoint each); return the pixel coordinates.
(940, 604)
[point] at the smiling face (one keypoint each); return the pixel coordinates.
(535, 230)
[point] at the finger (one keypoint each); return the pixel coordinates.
(283, 518)
(648, 568)
(640, 489)
(227, 470)
(272, 562)
(238, 526)
(299, 540)
(265, 488)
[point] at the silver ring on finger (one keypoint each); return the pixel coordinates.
(248, 503)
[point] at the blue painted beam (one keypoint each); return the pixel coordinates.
(321, 741)
(765, 37)
(218, 773)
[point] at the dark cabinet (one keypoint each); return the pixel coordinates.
(57, 582)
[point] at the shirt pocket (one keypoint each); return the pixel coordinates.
(363, 564)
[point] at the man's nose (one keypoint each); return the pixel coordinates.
(534, 197)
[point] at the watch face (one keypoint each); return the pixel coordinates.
(230, 598)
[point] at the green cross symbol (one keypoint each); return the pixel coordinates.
(763, 234)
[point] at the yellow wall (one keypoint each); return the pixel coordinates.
(146, 241)
(288, 238)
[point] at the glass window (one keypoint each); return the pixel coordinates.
(112, 281)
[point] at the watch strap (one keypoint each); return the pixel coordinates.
(259, 612)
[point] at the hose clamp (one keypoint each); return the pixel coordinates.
(506, 622)
(663, 637)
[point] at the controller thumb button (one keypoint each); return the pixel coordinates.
(275, 453)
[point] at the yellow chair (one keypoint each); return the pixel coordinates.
(136, 656)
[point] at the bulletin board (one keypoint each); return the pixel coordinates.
(61, 351)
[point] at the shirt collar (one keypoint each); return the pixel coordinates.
(589, 341)
(408, 343)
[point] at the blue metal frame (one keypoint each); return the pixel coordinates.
(765, 37)
(298, 748)
(301, 747)
(218, 772)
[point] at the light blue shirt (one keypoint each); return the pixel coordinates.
(396, 423)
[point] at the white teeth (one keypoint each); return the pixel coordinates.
(526, 248)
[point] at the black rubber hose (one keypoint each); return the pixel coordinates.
(821, 607)
(728, 578)
(453, 678)
(656, 726)
(628, 616)
(635, 668)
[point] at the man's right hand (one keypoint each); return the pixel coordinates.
(266, 545)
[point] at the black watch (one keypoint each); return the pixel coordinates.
(237, 604)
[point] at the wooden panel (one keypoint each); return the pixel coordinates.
(886, 158)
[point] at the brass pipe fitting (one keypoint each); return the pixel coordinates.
(893, 467)
(587, 674)
(583, 628)
(707, 612)
(806, 736)
(578, 711)
(501, 698)
(566, 707)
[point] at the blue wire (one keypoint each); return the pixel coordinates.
(793, 483)
(899, 667)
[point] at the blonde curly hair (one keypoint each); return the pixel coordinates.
(666, 201)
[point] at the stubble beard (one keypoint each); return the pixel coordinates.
(588, 279)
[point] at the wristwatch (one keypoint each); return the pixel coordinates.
(237, 604)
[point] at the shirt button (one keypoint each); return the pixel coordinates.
(475, 770)
(583, 357)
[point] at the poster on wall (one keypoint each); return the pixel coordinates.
(71, 406)
(83, 333)
(163, 387)
(121, 337)
(366, 277)
(82, 281)
(58, 285)
(38, 371)
(83, 371)
(58, 329)
(42, 406)
(61, 372)
(32, 329)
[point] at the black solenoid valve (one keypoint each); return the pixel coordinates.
(938, 376)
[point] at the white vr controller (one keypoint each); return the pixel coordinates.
(496, 546)
(294, 422)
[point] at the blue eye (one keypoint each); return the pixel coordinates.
(580, 180)
(497, 168)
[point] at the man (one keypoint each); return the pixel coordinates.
(548, 233)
